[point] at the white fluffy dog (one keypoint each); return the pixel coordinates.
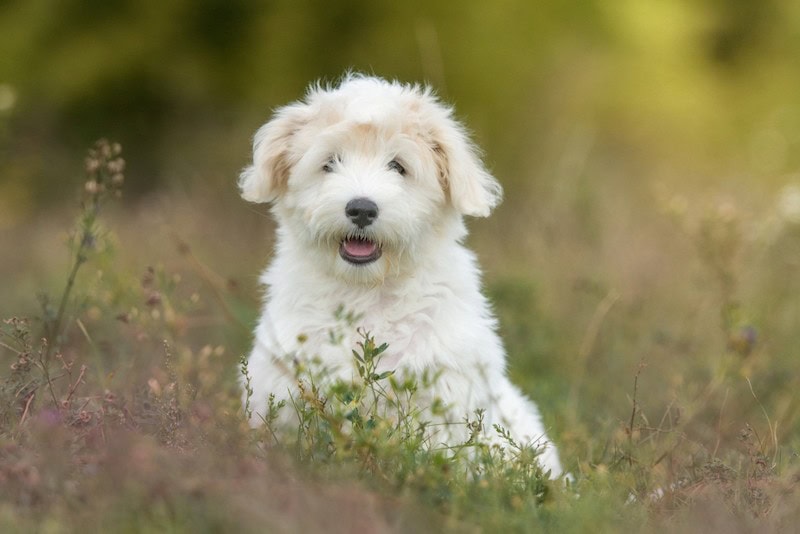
(369, 182)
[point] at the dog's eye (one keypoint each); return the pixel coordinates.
(332, 161)
(397, 167)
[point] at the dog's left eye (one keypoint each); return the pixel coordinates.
(328, 167)
(397, 167)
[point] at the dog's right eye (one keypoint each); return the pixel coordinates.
(328, 167)
(397, 167)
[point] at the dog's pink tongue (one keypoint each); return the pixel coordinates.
(359, 247)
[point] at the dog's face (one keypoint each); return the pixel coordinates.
(367, 176)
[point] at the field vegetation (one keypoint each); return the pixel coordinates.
(645, 267)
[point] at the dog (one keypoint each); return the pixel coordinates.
(369, 182)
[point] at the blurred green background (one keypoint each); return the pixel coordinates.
(698, 90)
(650, 152)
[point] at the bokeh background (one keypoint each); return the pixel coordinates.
(650, 153)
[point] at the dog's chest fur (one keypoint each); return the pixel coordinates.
(435, 317)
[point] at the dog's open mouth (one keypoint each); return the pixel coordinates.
(359, 250)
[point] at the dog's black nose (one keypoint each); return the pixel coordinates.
(362, 211)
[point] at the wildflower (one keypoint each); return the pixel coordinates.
(23, 364)
(153, 298)
(105, 168)
(49, 417)
(743, 340)
(83, 417)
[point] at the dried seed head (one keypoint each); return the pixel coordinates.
(116, 166)
(92, 165)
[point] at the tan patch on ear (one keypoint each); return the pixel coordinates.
(281, 168)
(281, 163)
(442, 164)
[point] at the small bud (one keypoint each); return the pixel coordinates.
(92, 165)
(743, 340)
(116, 166)
(153, 298)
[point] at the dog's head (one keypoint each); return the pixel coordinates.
(368, 174)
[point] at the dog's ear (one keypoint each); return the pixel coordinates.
(471, 188)
(264, 180)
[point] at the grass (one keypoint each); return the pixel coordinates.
(665, 363)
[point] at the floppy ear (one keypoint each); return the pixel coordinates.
(264, 180)
(471, 188)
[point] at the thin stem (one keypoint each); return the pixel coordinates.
(84, 244)
(55, 330)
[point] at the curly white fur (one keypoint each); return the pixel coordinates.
(399, 147)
